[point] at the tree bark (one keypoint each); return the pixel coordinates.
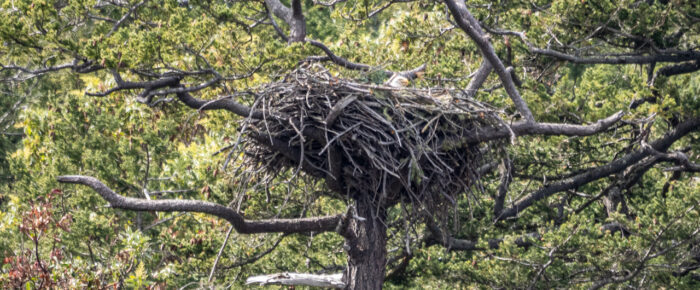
(366, 246)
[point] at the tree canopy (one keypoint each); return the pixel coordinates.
(537, 144)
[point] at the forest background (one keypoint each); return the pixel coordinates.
(615, 205)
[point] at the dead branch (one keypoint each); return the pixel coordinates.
(298, 279)
(317, 224)
(467, 23)
(594, 174)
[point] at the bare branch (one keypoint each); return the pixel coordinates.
(276, 26)
(328, 4)
(677, 69)
(126, 16)
(622, 59)
(467, 23)
(218, 256)
(147, 85)
(182, 93)
(648, 253)
(85, 67)
(452, 244)
(599, 172)
(632, 58)
(339, 60)
(380, 9)
(254, 258)
(38, 71)
(297, 27)
(479, 78)
(11, 111)
(550, 260)
(279, 10)
(298, 279)
(506, 169)
(679, 157)
(523, 128)
(294, 17)
(317, 224)
(330, 56)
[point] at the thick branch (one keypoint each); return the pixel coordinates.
(297, 28)
(299, 279)
(400, 268)
(452, 244)
(467, 23)
(623, 59)
(506, 169)
(147, 85)
(294, 17)
(276, 26)
(628, 179)
(594, 174)
(479, 78)
(683, 68)
(279, 10)
(182, 93)
(317, 224)
(523, 128)
(677, 69)
(679, 157)
(226, 103)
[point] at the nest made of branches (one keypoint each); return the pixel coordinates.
(390, 144)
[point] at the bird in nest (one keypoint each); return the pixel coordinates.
(398, 81)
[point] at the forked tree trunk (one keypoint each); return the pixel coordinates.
(366, 247)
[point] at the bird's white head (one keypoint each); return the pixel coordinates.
(398, 81)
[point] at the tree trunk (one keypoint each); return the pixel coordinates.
(366, 247)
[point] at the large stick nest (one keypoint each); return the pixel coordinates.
(389, 143)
